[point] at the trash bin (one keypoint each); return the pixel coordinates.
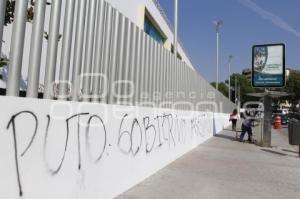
(294, 132)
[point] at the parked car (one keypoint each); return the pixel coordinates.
(284, 119)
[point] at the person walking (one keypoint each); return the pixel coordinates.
(234, 116)
(247, 128)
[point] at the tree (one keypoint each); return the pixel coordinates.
(223, 88)
(293, 85)
(243, 83)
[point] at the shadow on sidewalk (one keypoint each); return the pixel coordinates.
(290, 151)
(226, 137)
(274, 152)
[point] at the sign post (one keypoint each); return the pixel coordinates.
(268, 71)
(267, 122)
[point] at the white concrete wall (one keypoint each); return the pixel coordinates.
(100, 160)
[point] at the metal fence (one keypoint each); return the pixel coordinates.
(107, 59)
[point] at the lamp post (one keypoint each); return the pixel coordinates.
(229, 78)
(235, 89)
(175, 26)
(218, 24)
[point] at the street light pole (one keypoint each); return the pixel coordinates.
(175, 26)
(235, 89)
(229, 77)
(218, 24)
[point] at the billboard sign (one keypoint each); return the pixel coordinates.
(268, 65)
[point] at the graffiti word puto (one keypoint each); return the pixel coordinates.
(134, 135)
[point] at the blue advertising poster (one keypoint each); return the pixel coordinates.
(268, 65)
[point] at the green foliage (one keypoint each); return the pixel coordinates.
(223, 88)
(243, 83)
(10, 8)
(3, 62)
(293, 85)
(9, 14)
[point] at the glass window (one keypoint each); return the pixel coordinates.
(152, 31)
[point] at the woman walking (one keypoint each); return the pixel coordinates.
(234, 118)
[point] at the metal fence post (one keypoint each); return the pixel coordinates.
(36, 48)
(150, 70)
(181, 83)
(125, 61)
(184, 81)
(114, 70)
(159, 75)
(163, 82)
(147, 66)
(174, 69)
(120, 56)
(105, 62)
(131, 64)
(53, 40)
(154, 71)
(143, 64)
(89, 50)
(79, 41)
(2, 20)
(16, 49)
(99, 40)
(66, 52)
(175, 81)
(138, 61)
(169, 79)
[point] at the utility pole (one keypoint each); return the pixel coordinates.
(175, 26)
(239, 98)
(229, 77)
(267, 122)
(218, 24)
(239, 93)
(235, 89)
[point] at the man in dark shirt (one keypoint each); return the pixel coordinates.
(247, 128)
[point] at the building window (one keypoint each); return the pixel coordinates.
(172, 51)
(152, 31)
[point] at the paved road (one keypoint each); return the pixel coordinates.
(225, 169)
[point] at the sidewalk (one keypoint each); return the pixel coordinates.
(223, 168)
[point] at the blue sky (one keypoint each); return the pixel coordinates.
(246, 22)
